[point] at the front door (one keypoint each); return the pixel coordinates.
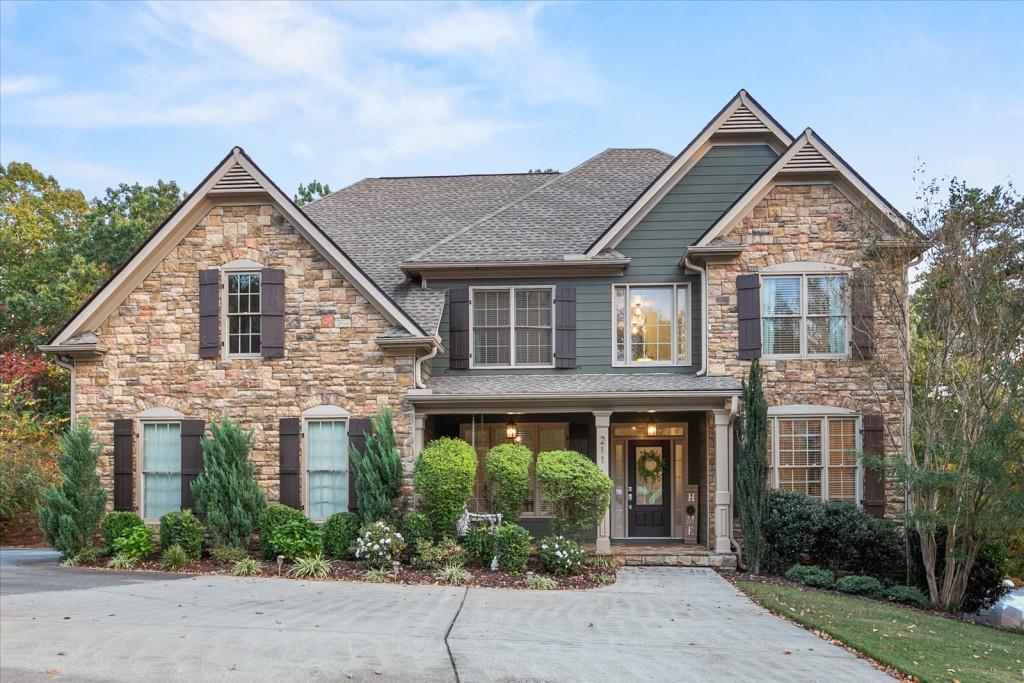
(649, 488)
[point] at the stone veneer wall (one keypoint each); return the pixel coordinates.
(809, 223)
(330, 357)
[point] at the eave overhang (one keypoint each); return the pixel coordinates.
(408, 343)
(711, 253)
(76, 351)
(428, 402)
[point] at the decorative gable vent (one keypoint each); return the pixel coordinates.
(237, 179)
(743, 121)
(808, 160)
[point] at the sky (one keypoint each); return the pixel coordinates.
(97, 94)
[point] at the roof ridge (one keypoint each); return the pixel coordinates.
(462, 175)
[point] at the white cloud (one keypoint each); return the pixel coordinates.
(21, 85)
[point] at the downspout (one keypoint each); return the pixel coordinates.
(70, 367)
(704, 312)
(418, 365)
(734, 409)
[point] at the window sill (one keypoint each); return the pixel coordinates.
(819, 356)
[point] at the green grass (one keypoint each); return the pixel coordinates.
(916, 643)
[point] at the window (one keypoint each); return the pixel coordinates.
(326, 467)
(243, 314)
(161, 468)
(815, 455)
(804, 315)
(512, 327)
(650, 324)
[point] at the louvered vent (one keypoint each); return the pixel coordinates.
(743, 121)
(807, 160)
(235, 180)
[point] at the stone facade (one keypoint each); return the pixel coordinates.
(330, 356)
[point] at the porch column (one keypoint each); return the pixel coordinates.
(419, 421)
(723, 489)
(601, 423)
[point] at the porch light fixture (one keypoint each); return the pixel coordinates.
(652, 428)
(510, 429)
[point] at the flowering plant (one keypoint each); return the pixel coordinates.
(560, 556)
(379, 545)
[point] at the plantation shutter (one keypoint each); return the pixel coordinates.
(458, 328)
(874, 478)
(191, 458)
(748, 308)
(565, 327)
(124, 465)
(209, 313)
(272, 313)
(863, 315)
(289, 471)
(358, 428)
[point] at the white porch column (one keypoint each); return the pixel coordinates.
(419, 421)
(601, 423)
(723, 486)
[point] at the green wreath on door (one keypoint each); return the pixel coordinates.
(649, 466)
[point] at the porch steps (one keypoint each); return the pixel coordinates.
(673, 555)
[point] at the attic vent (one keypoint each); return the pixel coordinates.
(808, 159)
(743, 121)
(235, 180)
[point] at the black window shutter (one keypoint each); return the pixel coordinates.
(458, 328)
(209, 313)
(748, 307)
(873, 441)
(358, 428)
(863, 315)
(124, 465)
(565, 327)
(191, 458)
(289, 472)
(272, 313)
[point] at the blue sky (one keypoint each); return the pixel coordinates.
(97, 94)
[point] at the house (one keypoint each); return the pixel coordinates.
(612, 309)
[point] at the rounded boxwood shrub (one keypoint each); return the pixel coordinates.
(444, 476)
(272, 517)
(856, 584)
(560, 556)
(575, 488)
(295, 538)
(340, 531)
(416, 526)
(479, 544)
(116, 523)
(135, 543)
(841, 526)
(812, 576)
(512, 545)
(907, 595)
(790, 528)
(184, 529)
(379, 545)
(508, 478)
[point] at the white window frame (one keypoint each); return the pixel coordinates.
(512, 327)
(321, 413)
(802, 327)
(824, 414)
(239, 267)
(150, 417)
(626, 362)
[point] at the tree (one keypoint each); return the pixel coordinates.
(378, 469)
(752, 472)
(72, 509)
(226, 495)
(123, 218)
(308, 193)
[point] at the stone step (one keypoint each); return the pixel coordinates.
(689, 559)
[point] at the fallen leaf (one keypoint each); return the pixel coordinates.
(67, 618)
(786, 652)
(52, 672)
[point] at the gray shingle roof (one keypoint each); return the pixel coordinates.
(562, 384)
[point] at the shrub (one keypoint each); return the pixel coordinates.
(311, 567)
(247, 566)
(227, 497)
(378, 469)
(508, 477)
(378, 575)
(907, 595)
(86, 555)
(272, 517)
(174, 558)
(841, 526)
(340, 531)
(856, 584)
(480, 544)
(539, 582)
(295, 538)
(416, 526)
(136, 543)
(602, 562)
(812, 576)
(575, 488)
(379, 545)
(752, 468)
(881, 551)
(789, 528)
(181, 528)
(71, 510)
(121, 561)
(444, 476)
(453, 574)
(560, 556)
(228, 555)
(435, 556)
(512, 545)
(116, 523)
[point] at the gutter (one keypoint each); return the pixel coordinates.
(69, 365)
(704, 312)
(417, 374)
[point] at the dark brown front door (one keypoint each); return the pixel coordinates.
(649, 488)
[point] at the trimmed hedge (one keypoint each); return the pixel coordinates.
(272, 517)
(416, 526)
(444, 476)
(576, 489)
(183, 529)
(812, 576)
(508, 478)
(512, 543)
(340, 532)
(856, 584)
(116, 524)
(907, 595)
(296, 538)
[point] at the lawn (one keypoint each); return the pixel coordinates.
(929, 647)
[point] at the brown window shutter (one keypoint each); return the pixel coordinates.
(209, 313)
(272, 313)
(124, 465)
(565, 327)
(873, 440)
(358, 428)
(458, 328)
(748, 307)
(863, 314)
(290, 473)
(191, 458)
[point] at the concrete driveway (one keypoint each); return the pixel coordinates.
(653, 624)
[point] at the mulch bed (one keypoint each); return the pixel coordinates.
(347, 570)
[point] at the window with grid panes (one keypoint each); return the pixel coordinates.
(804, 315)
(814, 455)
(650, 324)
(512, 327)
(243, 313)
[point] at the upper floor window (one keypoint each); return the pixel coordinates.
(512, 326)
(815, 455)
(243, 313)
(650, 324)
(804, 315)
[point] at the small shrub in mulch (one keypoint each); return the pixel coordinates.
(860, 585)
(812, 576)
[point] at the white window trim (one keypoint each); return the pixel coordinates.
(321, 413)
(150, 417)
(511, 289)
(237, 267)
(803, 275)
(676, 361)
(824, 414)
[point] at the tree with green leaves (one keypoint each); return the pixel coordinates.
(508, 478)
(752, 469)
(226, 495)
(311, 192)
(378, 469)
(123, 218)
(71, 510)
